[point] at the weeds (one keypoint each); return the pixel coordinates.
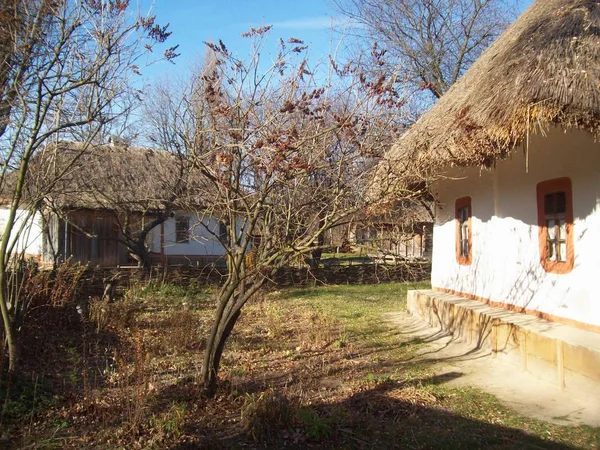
(264, 415)
(28, 398)
(168, 424)
(163, 290)
(313, 368)
(118, 316)
(316, 426)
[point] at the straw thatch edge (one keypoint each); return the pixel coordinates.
(545, 69)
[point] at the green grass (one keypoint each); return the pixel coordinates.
(463, 417)
(341, 255)
(359, 307)
(167, 292)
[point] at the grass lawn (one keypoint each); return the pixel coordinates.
(304, 368)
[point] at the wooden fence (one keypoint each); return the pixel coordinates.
(95, 281)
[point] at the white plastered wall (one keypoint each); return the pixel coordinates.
(506, 258)
(30, 238)
(203, 241)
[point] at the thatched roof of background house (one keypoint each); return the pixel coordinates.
(404, 214)
(112, 177)
(544, 69)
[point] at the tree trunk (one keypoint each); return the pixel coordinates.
(224, 299)
(316, 254)
(139, 252)
(9, 332)
(216, 352)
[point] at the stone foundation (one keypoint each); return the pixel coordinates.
(567, 356)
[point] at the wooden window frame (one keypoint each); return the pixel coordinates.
(463, 260)
(179, 238)
(548, 187)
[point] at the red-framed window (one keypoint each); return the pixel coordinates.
(555, 222)
(463, 213)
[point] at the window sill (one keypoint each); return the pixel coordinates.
(463, 260)
(557, 267)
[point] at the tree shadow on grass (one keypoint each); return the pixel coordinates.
(63, 358)
(387, 415)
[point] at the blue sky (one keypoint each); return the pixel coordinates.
(195, 21)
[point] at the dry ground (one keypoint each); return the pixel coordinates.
(305, 368)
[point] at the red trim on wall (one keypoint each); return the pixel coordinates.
(461, 203)
(548, 187)
(523, 310)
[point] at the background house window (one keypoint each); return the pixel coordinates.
(555, 221)
(462, 217)
(182, 229)
(223, 232)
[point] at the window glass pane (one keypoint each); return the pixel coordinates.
(551, 229)
(561, 202)
(549, 204)
(463, 232)
(182, 229)
(551, 252)
(222, 232)
(562, 228)
(563, 251)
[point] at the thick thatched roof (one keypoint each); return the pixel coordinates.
(114, 177)
(544, 69)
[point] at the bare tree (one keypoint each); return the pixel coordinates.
(66, 69)
(429, 44)
(282, 157)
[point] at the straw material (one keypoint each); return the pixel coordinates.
(544, 69)
(108, 177)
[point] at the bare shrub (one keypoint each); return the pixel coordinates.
(265, 414)
(182, 332)
(132, 377)
(118, 316)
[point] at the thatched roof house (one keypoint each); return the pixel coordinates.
(514, 145)
(112, 177)
(101, 204)
(545, 69)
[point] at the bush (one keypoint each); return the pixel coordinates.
(104, 315)
(317, 426)
(265, 414)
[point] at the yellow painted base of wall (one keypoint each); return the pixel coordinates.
(564, 355)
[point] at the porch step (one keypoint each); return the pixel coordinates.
(558, 353)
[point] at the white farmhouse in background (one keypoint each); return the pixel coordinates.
(107, 188)
(188, 239)
(31, 240)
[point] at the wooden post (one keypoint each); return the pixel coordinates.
(560, 364)
(523, 349)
